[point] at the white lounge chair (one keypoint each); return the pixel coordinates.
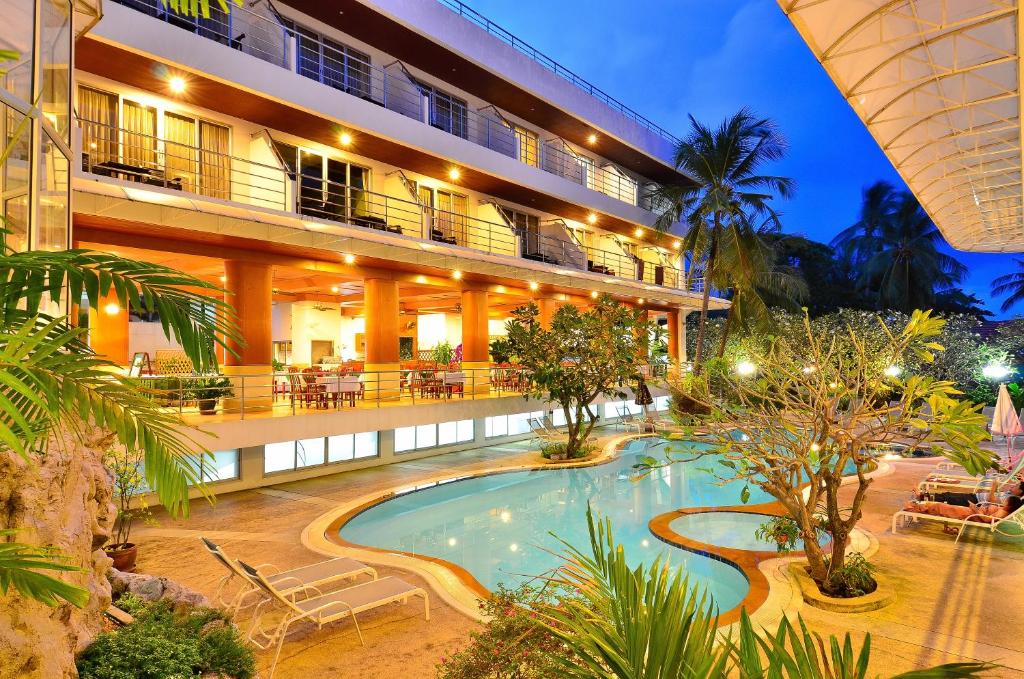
(1010, 526)
(318, 574)
(322, 609)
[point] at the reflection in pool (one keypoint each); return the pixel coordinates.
(497, 527)
(735, 530)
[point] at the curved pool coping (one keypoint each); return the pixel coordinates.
(462, 591)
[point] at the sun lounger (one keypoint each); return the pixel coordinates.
(318, 574)
(1010, 526)
(311, 605)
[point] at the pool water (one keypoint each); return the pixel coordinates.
(735, 530)
(497, 527)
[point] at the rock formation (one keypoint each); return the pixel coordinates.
(61, 498)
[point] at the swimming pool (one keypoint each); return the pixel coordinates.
(497, 526)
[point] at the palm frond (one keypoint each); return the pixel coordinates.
(197, 8)
(20, 567)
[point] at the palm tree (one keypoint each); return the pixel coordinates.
(897, 252)
(749, 266)
(1011, 284)
(724, 166)
(199, 8)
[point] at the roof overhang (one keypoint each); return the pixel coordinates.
(937, 83)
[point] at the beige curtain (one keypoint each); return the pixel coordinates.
(181, 157)
(215, 163)
(460, 207)
(98, 114)
(139, 135)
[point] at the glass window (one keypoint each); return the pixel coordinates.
(464, 431)
(526, 144)
(366, 445)
(340, 448)
(17, 37)
(661, 402)
(496, 426)
(310, 452)
(52, 226)
(510, 425)
(14, 178)
(447, 433)
(221, 465)
(278, 456)
(55, 58)
(558, 417)
(426, 436)
(405, 439)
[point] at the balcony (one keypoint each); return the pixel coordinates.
(128, 156)
(394, 88)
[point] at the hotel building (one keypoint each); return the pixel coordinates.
(367, 179)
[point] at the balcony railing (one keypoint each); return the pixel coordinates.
(555, 67)
(394, 89)
(127, 155)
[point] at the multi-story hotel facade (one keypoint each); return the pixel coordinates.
(367, 179)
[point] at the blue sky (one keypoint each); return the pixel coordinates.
(670, 58)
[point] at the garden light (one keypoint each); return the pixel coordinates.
(745, 368)
(994, 371)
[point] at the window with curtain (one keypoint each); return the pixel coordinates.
(139, 123)
(526, 144)
(98, 113)
(214, 161)
(180, 155)
(451, 215)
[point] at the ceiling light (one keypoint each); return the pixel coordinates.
(421, 279)
(345, 138)
(457, 275)
(676, 245)
(641, 301)
(500, 289)
(534, 286)
(592, 218)
(350, 259)
(112, 309)
(454, 174)
(223, 279)
(638, 233)
(177, 84)
(592, 139)
(334, 289)
(593, 294)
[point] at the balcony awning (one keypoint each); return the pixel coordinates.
(937, 83)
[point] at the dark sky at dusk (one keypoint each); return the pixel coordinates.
(670, 58)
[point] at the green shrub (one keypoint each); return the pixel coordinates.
(165, 644)
(853, 579)
(549, 448)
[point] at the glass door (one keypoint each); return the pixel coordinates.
(311, 184)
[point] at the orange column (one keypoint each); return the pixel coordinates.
(475, 350)
(250, 290)
(548, 306)
(673, 335)
(380, 309)
(108, 329)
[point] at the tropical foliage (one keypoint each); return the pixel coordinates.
(20, 567)
(1011, 285)
(727, 192)
(581, 356)
(197, 8)
(816, 410)
(600, 616)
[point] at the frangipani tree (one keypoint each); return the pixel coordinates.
(817, 408)
(582, 355)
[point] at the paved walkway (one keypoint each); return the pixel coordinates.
(955, 602)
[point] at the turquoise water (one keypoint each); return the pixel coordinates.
(497, 527)
(735, 530)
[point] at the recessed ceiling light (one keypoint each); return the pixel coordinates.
(534, 286)
(638, 233)
(454, 174)
(345, 138)
(457, 275)
(592, 139)
(177, 84)
(350, 259)
(421, 279)
(676, 245)
(592, 218)
(334, 289)
(641, 301)
(593, 294)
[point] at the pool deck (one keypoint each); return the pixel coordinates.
(955, 602)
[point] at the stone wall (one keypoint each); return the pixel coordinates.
(63, 499)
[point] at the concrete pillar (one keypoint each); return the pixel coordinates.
(108, 329)
(475, 351)
(677, 334)
(250, 290)
(382, 365)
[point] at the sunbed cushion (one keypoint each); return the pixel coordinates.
(317, 572)
(360, 596)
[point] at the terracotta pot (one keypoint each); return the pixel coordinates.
(207, 406)
(124, 556)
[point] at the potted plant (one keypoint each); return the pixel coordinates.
(443, 353)
(129, 487)
(208, 390)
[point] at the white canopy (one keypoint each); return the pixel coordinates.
(937, 83)
(1005, 421)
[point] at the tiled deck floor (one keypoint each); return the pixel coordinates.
(955, 602)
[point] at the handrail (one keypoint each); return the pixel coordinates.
(394, 90)
(284, 393)
(547, 62)
(119, 153)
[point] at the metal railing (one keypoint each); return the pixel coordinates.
(123, 154)
(555, 67)
(395, 89)
(294, 393)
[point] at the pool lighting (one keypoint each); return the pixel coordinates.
(176, 84)
(994, 371)
(513, 547)
(745, 368)
(457, 275)
(592, 218)
(112, 309)
(505, 517)
(350, 259)
(345, 138)
(452, 542)
(454, 174)
(645, 543)
(893, 371)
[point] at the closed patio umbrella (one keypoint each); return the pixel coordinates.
(1005, 422)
